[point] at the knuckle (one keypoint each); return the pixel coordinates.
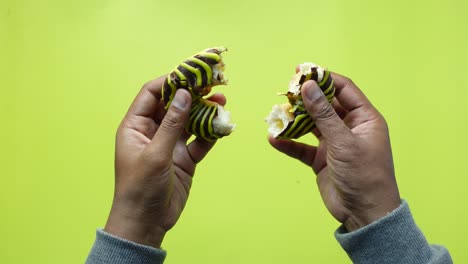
(324, 111)
(146, 85)
(381, 119)
(384, 126)
(348, 81)
(172, 120)
(129, 122)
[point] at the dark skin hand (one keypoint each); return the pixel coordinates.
(154, 165)
(353, 160)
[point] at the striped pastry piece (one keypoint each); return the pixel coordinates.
(201, 119)
(303, 123)
(198, 74)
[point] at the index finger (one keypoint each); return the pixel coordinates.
(348, 94)
(148, 99)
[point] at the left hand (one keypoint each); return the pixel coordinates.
(154, 165)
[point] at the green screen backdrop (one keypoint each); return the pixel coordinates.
(70, 69)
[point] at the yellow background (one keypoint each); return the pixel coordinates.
(69, 70)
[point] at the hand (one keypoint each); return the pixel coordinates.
(154, 165)
(353, 160)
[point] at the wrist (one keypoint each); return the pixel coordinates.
(361, 218)
(134, 227)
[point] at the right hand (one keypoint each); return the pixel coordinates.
(353, 160)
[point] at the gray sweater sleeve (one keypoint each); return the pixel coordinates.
(393, 239)
(111, 249)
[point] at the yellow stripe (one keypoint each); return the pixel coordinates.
(287, 132)
(195, 119)
(194, 71)
(324, 79)
(210, 122)
(180, 74)
(203, 120)
(309, 127)
(173, 91)
(329, 88)
(305, 127)
(209, 55)
(293, 128)
(205, 66)
(300, 130)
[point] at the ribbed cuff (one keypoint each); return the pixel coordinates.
(111, 249)
(394, 238)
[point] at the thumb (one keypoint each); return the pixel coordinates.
(322, 112)
(173, 123)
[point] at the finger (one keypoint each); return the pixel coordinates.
(173, 124)
(143, 125)
(297, 150)
(198, 148)
(322, 112)
(348, 94)
(339, 109)
(317, 133)
(218, 98)
(148, 99)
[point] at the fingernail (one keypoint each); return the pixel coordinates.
(180, 100)
(312, 91)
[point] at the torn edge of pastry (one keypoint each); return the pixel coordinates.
(208, 58)
(222, 124)
(282, 116)
(218, 68)
(307, 71)
(279, 118)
